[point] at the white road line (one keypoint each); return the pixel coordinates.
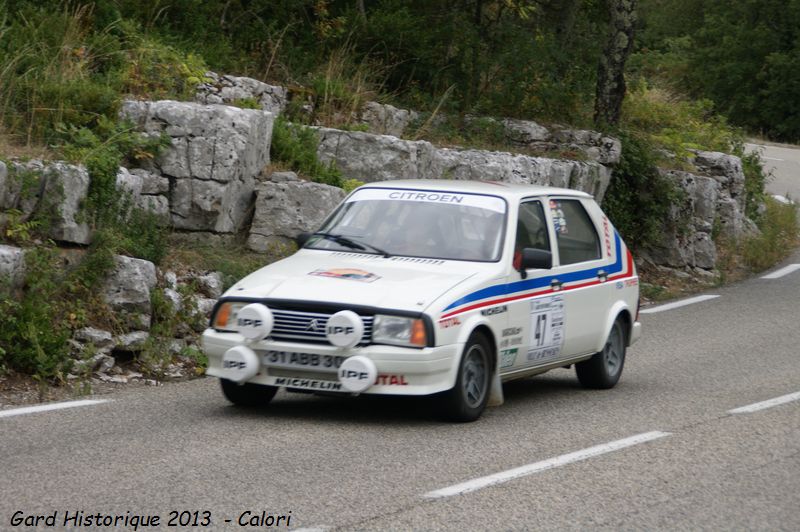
(771, 158)
(564, 459)
(51, 406)
(786, 270)
(755, 407)
(677, 304)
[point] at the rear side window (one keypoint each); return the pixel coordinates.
(575, 233)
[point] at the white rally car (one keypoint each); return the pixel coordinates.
(433, 287)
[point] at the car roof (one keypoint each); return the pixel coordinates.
(494, 188)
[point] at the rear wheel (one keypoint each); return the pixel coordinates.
(604, 369)
(467, 400)
(247, 394)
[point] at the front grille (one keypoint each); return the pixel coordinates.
(301, 326)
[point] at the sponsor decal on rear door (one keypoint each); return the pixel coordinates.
(547, 328)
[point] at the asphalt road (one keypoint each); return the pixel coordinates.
(784, 162)
(368, 464)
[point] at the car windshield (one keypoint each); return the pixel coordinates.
(417, 223)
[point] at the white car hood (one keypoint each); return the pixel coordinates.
(398, 283)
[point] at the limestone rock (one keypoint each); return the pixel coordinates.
(171, 280)
(229, 89)
(54, 192)
(129, 183)
(727, 169)
(12, 267)
(525, 132)
(152, 183)
(383, 157)
(384, 119)
(128, 287)
(211, 284)
(370, 158)
(174, 299)
(158, 205)
(96, 337)
(217, 152)
(131, 342)
(285, 209)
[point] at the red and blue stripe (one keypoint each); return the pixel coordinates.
(528, 288)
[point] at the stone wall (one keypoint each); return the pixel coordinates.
(712, 204)
(51, 193)
(370, 158)
(217, 153)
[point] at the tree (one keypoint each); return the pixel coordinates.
(611, 69)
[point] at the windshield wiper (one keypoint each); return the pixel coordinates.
(350, 243)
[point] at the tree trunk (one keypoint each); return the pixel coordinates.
(611, 70)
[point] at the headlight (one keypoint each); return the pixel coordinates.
(396, 330)
(225, 317)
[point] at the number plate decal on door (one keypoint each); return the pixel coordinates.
(547, 328)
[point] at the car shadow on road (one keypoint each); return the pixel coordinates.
(365, 409)
(400, 411)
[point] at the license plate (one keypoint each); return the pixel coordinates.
(287, 359)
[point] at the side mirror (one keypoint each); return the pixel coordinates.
(535, 259)
(302, 238)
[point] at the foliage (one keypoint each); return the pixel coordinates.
(246, 103)
(234, 262)
(676, 124)
(745, 56)
(295, 146)
(780, 234)
(157, 71)
(53, 69)
(34, 331)
(639, 199)
(17, 229)
(350, 185)
(102, 150)
(470, 132)
(68, 63)
(137, 232)
(755, 179)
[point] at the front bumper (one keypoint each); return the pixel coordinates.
(401, 370)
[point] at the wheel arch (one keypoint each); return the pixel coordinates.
(486, 331)
(618, 310)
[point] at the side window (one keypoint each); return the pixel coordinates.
(576, 235)
(532, 227)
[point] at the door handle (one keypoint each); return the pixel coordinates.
(602, 275)
(555, 284)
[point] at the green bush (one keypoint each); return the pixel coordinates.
(35, 329)
(136, 232)
(295, 146)
(676, 124)
(755, 179)
(639, 199)
(780, 234)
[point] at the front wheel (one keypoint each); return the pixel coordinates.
(247, 394)
(604, 369)
(467, 400)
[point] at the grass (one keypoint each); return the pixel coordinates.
(233, 261)
(780, 234)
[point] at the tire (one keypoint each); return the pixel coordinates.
(467, 400)
(604, 369)
(248, 394)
